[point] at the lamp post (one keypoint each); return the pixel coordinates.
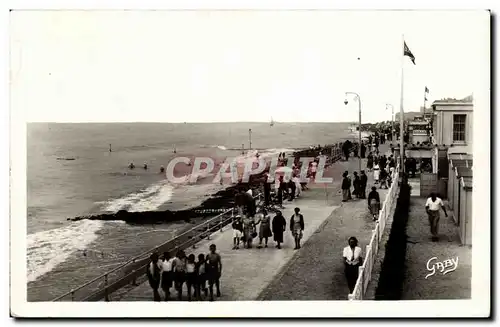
(358, 98)
(392, 118)
(250, 138)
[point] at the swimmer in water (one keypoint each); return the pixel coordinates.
(131, 166)
(145, 166)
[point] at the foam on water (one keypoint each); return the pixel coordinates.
(148, 199)
(47, 249)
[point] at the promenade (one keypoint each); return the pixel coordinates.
(420, 248)
(315, 272)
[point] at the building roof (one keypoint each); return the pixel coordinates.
(463, 171)
(416, 122)
(465, 162)
(467, 183)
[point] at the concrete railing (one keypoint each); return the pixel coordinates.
(365, 271)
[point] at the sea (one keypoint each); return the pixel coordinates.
(72, 172)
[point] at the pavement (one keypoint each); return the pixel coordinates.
(420, 248)
(315, 271)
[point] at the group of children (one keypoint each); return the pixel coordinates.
(174, 272)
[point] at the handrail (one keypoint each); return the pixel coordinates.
(148, 252)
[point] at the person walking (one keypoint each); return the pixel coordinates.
(179, 269)
(298, 186)
(267, 191)
(237, 231)
(346, 186)
(374, 203)
(248, 231)
(214, 271)
(357, 185)
(201, 281)
(153, 272)
(166, 275)
(293, 189)
(279, 227)
(376, 172)
(363, 181)
(297, 227)
(191, 276)
(363, 150)
(264, 229)
(432, 206)
(369, 162)
(352, 261)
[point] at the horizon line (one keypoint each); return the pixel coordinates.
(201, 122)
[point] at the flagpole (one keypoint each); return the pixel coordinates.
(401, 111)
(425, 100)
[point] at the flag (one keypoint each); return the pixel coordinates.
(426, 90)
(425, 98)
(408, 53)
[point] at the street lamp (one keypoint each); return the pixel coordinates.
(392, 118)
(358, 98)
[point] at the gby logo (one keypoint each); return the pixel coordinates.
(444, 267)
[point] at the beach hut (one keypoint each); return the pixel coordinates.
(465, 227)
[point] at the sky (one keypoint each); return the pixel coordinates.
(220, 66)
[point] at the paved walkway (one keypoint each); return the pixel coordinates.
(248, 274)
(420, 248)
(317, 272)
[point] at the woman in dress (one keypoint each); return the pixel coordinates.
(265, 229)
(352, 261)
(279, 227)
(374, 203)
(346, 187)
(297, 227)
(248, 231)
(376, 172)
(369, 163)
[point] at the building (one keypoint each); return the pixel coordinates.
(452, 159)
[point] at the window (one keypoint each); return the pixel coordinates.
(459, 128)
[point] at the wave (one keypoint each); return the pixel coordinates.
(146, 200)
(47, 249)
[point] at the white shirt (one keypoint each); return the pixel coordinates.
(249, 192)
(166, 265)
(190, 267)
(313, 167)
(352, 257)
(434, 205)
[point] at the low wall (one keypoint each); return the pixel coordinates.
(392, 274)
(365, 271)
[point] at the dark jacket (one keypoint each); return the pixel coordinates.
(346, 183)
(301, 222)
(279, 224)
(363, 180)
(238, 225)
(154, 279)
(373, 195)
(357, 182)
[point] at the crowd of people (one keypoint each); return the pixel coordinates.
(173, 272)
(248, 225)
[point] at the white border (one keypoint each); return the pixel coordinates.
(478, 306)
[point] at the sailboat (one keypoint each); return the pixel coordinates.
(272, 122)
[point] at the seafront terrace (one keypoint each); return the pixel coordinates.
(315, 272)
